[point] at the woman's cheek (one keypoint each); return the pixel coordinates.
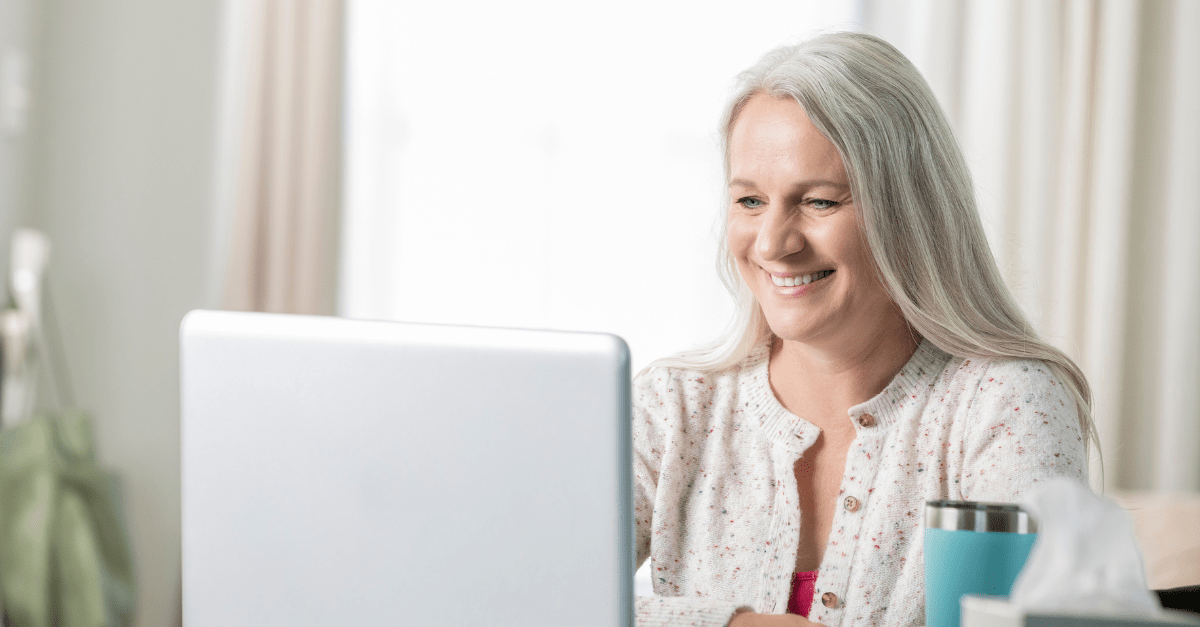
(741, 232)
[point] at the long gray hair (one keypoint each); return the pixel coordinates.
(916, 205)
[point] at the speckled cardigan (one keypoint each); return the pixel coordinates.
(716, 496)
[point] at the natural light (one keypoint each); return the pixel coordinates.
(547, 165)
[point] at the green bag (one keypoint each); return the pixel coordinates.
(65, 558)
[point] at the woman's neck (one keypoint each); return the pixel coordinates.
(819, 383)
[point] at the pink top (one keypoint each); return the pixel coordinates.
(803, 586)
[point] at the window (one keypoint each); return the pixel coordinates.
(546, 164)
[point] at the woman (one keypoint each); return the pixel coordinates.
(878, 361)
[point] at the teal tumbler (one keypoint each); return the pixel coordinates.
(971, 548)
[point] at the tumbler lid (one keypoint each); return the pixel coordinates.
(978, 516)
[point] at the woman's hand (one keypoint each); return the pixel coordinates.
(752, 619)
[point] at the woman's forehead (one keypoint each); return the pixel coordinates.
(772, 138)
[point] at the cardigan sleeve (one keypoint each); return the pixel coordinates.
(649, 442)
(1024, 428)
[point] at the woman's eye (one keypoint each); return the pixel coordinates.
(819, 203)
(750, 203)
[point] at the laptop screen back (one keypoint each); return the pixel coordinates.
(340, 472)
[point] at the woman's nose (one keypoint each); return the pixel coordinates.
(779, 235)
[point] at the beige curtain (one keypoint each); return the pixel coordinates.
(283, 251)
(1081, 121)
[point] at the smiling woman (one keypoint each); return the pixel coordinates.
(877, 360)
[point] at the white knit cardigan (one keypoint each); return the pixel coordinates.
(716, 497)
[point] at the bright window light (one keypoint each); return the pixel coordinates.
(547, 164)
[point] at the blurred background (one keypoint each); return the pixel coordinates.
(529, 164)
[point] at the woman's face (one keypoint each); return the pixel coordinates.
(794, 230)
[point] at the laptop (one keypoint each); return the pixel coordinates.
(348, 472)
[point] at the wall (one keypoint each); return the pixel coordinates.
(17, 40)
(122, 177)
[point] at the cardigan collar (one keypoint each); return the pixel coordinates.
(781, 426)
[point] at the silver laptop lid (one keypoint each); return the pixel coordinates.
(341, 472)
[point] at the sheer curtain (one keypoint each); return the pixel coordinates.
(1079, 120)
(280, 167)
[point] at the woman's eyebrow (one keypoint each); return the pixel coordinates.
(800, 185)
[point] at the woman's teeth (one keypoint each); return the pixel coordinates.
(793, 281)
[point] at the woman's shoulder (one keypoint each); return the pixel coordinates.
(681, 382)
(1019, 423)
(990, 376)
(682, 370)
(1011, 392)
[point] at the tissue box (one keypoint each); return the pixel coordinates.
(983, 611)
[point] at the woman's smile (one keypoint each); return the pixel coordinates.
(798, 280)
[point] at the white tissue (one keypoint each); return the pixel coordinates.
(1086, 559)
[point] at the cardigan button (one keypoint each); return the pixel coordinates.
(851, 504)
(866, 420)
(829, 599)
